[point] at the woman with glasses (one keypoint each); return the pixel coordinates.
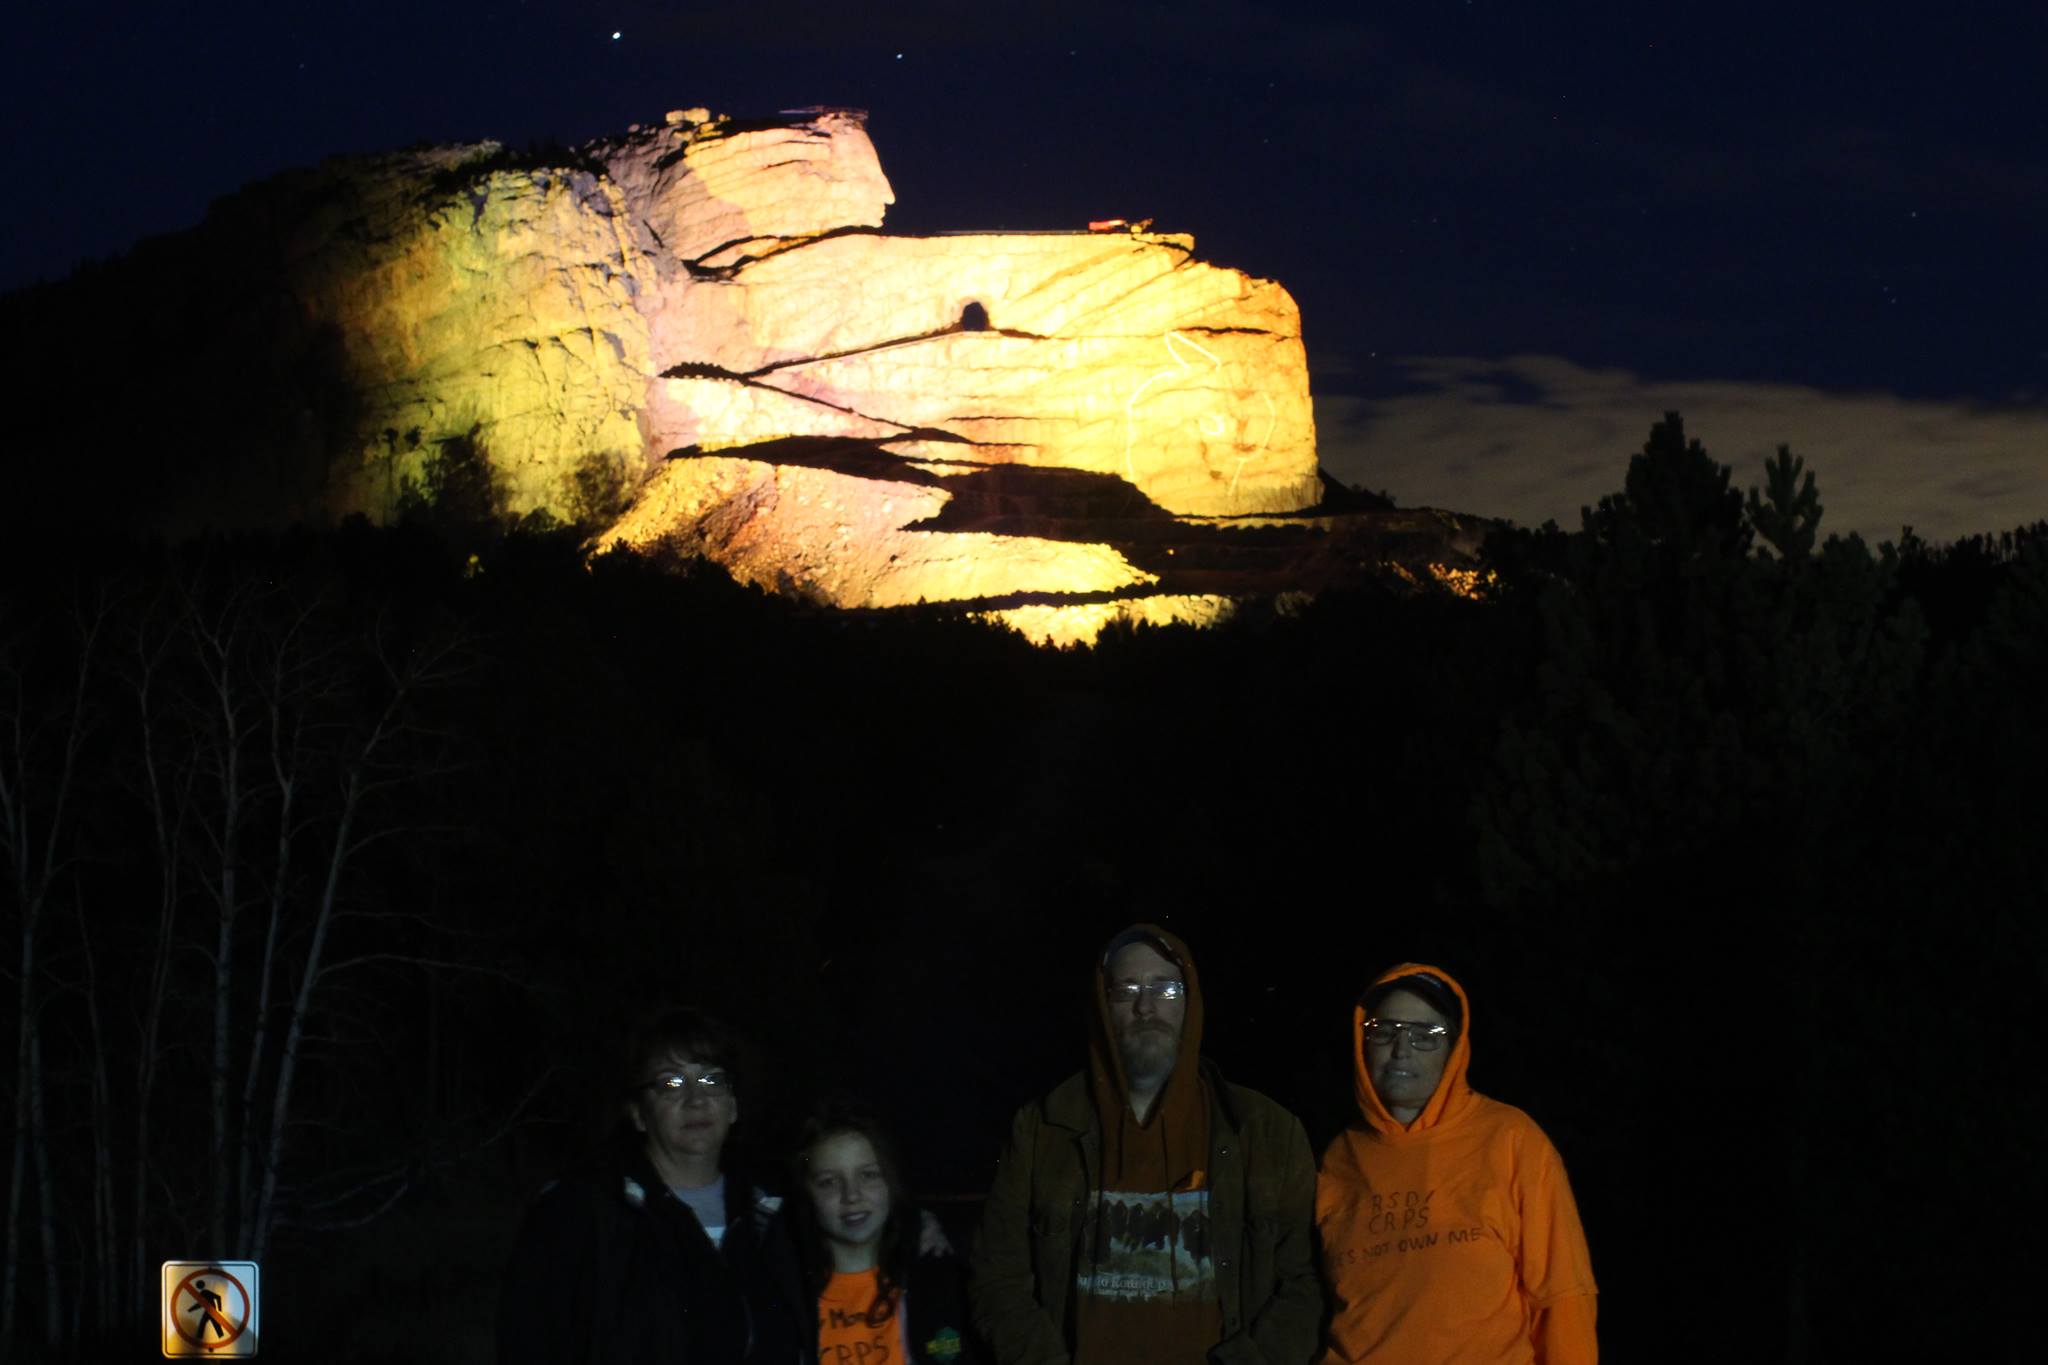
(658, 1250)
(858, 1237)
(1448, 1229)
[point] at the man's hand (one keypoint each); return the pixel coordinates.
(931, 1238)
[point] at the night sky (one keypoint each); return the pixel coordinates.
(1518, 233)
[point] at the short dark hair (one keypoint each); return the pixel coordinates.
(682, 1033)
(1433, 989)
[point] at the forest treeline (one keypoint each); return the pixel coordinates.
(334, 860)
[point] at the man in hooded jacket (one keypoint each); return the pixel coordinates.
(1146, 1209)
(1448, 1229)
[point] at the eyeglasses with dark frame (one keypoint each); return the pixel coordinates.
(1421, 1037)
(1127, 992)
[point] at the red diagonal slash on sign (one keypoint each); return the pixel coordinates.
(228, 1330)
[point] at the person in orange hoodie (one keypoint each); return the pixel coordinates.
(1447, 1228)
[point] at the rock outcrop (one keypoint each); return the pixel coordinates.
(1107, 352)
(698, 187)
(471, 298)
(697, 333)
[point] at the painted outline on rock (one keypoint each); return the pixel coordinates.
(1174, 342)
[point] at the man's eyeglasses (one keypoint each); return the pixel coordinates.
(1421, 1037)
(711, 1085)
(1127, 992)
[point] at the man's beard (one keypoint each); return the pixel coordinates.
(1149, 1052)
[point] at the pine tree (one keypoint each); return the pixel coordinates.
(1788, 516)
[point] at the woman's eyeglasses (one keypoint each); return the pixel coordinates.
(1421, 1037)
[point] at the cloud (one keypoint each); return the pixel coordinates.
(1535, 438)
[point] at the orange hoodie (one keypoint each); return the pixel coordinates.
(1452, 1240)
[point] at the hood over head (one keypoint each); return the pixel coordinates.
(1454, 1094)
(1173, 1141)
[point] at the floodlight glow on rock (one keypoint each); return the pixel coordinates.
(819, 406)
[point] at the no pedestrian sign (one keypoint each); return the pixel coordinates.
(210, 1308)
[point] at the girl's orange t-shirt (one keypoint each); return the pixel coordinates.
(845, 1335)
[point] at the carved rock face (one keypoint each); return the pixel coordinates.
(1060, 429)
(696, 184)
(1110, 353)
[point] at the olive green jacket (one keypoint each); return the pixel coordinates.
(1262, 1188)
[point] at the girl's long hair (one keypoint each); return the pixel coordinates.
(897, 1247)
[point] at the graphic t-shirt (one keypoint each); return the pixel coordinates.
(845, 1336)
(1147, 1280)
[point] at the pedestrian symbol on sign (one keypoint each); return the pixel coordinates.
(210, 1308)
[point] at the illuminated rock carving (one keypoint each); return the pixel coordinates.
(705, 308)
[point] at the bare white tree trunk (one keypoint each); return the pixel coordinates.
(14, 811)
(259, 1042)
(169, 807)
(35, 859)
(220, 650)
(286, 731)
(9, 1285)
(142, 1300)
(107, 1264)
(46, 1196)
(309, 979)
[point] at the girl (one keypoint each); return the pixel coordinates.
(879, 1301)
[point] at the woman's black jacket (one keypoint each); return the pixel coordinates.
(610, 1268)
